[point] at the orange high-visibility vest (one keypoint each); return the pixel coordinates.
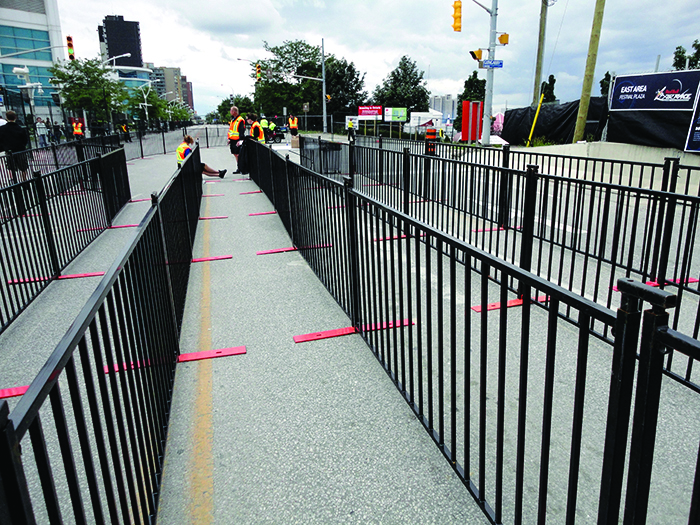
(77, 128)
(257, 132)
(233, 129)
(293, 123)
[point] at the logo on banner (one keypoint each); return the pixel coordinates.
(673, 94)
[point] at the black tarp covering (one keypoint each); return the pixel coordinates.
(660, 129)
(555, 124)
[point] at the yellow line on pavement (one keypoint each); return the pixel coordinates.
(201, 462)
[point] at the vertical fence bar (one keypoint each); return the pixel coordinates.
(504, 194)
(46, 223)
(646, 406)
(15, 503)
(406, 180)
(529, 207)
(353, 254)
(622, 378)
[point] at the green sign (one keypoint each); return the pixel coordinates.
(395, 114)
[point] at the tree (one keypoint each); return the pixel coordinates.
(345, 86)
(548, 90)
(223, 110)
(680, 57)
(86, 85)
(404, 87)
(605, 84)
(474, 90)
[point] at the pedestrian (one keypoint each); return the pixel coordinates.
(184, 149)
(56, 132)
(351, 131)
(77, 129)
(125, 130)
(15, 139)
(265, 125)
(293, 125)
(257, 132)
(236, 132)
(42, 132)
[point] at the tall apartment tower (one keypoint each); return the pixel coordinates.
(118, 37)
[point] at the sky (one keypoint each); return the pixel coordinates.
(206, 39)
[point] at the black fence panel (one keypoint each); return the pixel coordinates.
(47, 221)
(86, 442)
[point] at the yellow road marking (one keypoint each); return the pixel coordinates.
(202, 463)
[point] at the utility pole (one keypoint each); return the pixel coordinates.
(488, 98)
(323, 76)
(590, 71)
(540, 52)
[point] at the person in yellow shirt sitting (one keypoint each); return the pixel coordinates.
(185, 149)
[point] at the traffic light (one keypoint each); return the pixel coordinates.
(457, 26)
(258, 73)
(328, 97)
(71, 51)
(476, 54)
(503, 39)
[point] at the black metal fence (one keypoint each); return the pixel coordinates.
(45, 222)
(580, 233)
(86, 442)
(515, 398)
(19, 166)
(139, 145)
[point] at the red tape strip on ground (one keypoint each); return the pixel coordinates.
(509, 304)
(262, 213)
(210, 354)
(250, 192)
(348, 330)
(13, 392)
(213, 217)
(217, 258)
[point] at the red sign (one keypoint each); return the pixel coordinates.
(368, 111)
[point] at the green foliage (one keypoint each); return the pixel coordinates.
(605, 84)
(280, 87)
(548, 90)
(345, 85)
(86, 85)
(404, 87)
(474, 90)
(680, 57)
(223, 110)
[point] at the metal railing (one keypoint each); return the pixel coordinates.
(19, 166)
(513, 397)
(580, 233)
(86, 442)
(47, 221)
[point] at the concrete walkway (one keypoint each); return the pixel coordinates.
(287, 433)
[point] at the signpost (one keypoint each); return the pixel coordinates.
(394, 115)
(493, 64)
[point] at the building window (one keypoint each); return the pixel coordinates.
(16, 39)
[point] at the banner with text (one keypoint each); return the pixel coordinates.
(369, 111)
(656, 91)
(693, 141)
(395, 114)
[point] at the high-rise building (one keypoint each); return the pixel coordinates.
(445, 104)
(26, 26)
(119, 37)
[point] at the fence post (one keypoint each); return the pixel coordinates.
(351, 160)
(406, 179)
(80, 151)
(15, 503)
(646, 404)
(504, 197)
(46, 222)
(629, 315)
(668, 181)
(320, 156)
(206, 135)
(289, 199)
(353, 263)
(139, 134)
(670, 211)
(529, 205)
(55, 155)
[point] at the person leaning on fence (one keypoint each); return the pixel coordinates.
(236, 132)
(14, 138)
(256, 130)
(185, 149)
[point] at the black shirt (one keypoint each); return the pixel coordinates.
(13, 137)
